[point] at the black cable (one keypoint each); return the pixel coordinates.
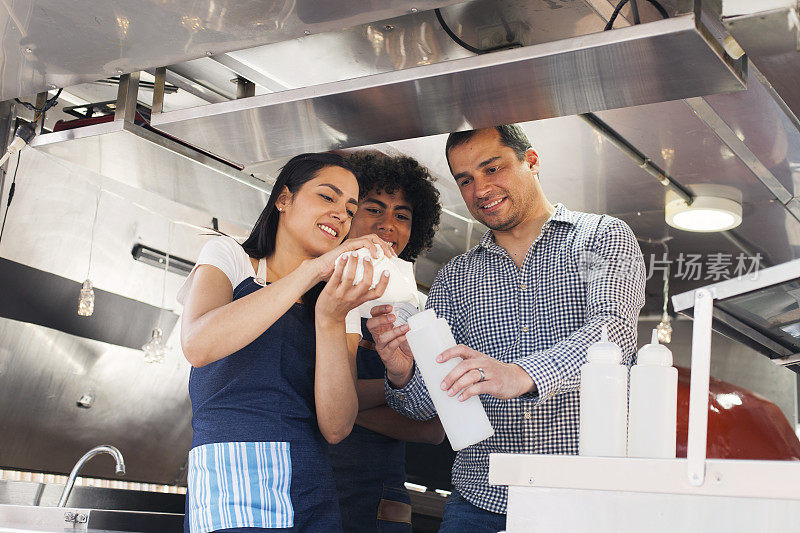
(468, 46)
(455, 37)
(50, 102)
(635, 12)
(10, 195)
(615, 14)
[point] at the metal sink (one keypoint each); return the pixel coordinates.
(68, 519)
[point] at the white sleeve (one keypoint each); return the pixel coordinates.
(352, 322)
(227, 255)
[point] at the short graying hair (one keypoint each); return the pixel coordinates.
(511, 135)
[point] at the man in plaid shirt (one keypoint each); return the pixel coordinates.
(524, 305)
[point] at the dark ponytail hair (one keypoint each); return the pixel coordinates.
(294, 174)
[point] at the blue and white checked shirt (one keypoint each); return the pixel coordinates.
(583, 271)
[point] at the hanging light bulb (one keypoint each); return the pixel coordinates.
(155, 350)
(86, 300)
(664, 329)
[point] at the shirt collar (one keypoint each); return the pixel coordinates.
(561, 214)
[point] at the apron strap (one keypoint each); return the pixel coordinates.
(261, 275)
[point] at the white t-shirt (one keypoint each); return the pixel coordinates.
(228, 255)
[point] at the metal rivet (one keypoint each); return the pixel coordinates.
(208, 53)
(388, 27)
(413, 9)
(306, 32)
(28, 50)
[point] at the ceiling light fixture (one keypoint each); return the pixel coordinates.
(704, 214)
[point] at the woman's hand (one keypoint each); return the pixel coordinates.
(340, 295)
(324, 264)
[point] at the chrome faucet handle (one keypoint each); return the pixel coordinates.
(105, 448)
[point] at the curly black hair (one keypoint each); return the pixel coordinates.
(378, 172)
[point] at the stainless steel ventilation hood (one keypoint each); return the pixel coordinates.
(655, 62)
(48, 43)
(760, 310)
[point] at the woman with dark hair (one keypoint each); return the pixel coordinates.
(273, 359)
(400, 204)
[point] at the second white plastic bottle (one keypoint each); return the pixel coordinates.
(465, 422)
(653, 406)
(604, 401)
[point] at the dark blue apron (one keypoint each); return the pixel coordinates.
(258, 459)
(369, 466)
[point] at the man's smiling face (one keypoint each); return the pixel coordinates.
(498, 189)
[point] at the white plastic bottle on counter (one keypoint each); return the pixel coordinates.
(465, 422)
(653, 404)
(604, 401)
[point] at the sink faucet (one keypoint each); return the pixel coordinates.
(105, 448)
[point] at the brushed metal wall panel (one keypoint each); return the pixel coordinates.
(136, 156)
(52, 42)
(653, 62)
(143, 409)
(49, 227)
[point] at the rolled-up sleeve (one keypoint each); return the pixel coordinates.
(615, 295)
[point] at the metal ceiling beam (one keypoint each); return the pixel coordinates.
(769, 31)
(659, 61)
(710, 117)
(249, 73)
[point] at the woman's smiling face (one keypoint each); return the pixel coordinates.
(317, 217)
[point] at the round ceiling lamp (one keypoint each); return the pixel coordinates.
(705, 214)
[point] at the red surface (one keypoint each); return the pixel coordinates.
(741, 424)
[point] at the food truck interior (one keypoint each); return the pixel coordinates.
(156, 121)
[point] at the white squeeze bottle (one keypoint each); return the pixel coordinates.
(604, 401)
(466, 422)
(653, 405)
